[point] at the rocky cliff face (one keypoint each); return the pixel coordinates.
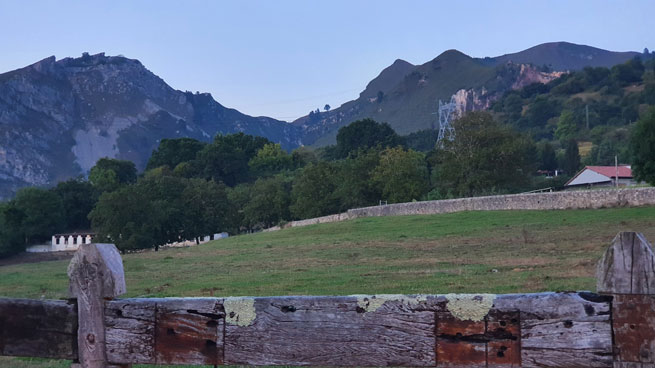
(519, 75)
(57, 118)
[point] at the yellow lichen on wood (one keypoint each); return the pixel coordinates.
(371, 303)
(239, 311)
(473, 307)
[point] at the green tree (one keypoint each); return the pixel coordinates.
(269, 202)
(485, 157)
(628, 72)
(206, 209)
(226, 159)
(567, 126)
(313, 191)
(238, 197)
(270, 160)
(547, 157)
(571, 159)
(142, 215)
(642, 145)
(512, 106)
(12, 239)
(422, 141)
(355, 185)
(42, 214)
(302, 156)
(125, 216)
(109, 173)
(540, 111)
(172, 152)
(365, 134)
(609, 142)
(401, 174)
(78, 199)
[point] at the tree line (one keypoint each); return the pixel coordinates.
(241, 183)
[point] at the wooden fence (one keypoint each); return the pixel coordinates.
(615, 328)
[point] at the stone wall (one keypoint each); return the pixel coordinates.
(532, 201)
(604, 198)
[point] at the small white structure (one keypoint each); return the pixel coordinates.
(72, 241)
(602, 176)
(203, 239)
(214, 237)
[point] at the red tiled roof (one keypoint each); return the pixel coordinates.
(610, 171)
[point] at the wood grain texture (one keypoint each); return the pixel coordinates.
(130, 331)
(38, 328)
(190, 331)
(627, 267)
(331, 331)
(562, 329)
(95, 273)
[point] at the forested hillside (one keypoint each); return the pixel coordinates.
(596, 107)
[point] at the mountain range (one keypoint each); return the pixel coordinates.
(58, 117)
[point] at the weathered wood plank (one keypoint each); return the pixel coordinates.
(338, 331)
(627, 267)
(95, 273)
(38, 328)
(556, 330)
(562, 329)
(627, 271)
(130, 331)
(189, 331)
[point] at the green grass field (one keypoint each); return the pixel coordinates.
(495, 252)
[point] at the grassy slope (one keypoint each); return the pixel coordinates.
(531, 250)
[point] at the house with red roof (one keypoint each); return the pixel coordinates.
(592, 176)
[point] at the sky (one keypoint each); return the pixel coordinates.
(284, 58)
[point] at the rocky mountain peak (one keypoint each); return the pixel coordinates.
(58, 117)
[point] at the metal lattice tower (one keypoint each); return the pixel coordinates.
(446, 113)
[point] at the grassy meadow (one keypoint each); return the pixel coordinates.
(467, 252)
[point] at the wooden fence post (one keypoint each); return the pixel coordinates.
(95, 274)
(627, 272)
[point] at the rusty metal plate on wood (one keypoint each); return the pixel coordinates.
(504, 333)
(633, 322)
(460, 343)
(492, 342)
(189, 337)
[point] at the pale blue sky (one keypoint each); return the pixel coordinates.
(284, 58)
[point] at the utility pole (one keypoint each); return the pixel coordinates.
(587, 114)
(616, 167)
